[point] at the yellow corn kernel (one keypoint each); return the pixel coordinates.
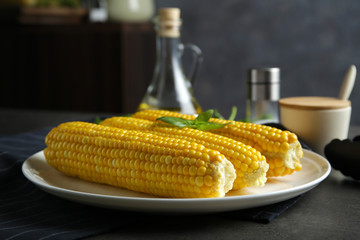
(271, 142)
(236, 152)
(143, 162)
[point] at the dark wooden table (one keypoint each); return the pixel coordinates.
(329, 211)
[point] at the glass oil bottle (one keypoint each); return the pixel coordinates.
(170, 89)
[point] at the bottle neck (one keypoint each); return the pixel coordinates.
(168, 39)
(167, 49)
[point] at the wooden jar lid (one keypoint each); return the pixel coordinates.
(314, 103)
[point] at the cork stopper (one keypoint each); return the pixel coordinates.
(169, 22)
(169, 14)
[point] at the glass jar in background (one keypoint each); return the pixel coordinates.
(263, 94)
(97, 10)
(170, 89)
(130, 11)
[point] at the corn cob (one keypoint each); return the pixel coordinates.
(249, 164)
(138, 161)
(281, 148)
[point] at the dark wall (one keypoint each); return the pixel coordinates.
(313, 42)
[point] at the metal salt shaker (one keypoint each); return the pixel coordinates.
(263, 93)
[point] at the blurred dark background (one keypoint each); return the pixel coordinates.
(106, 66)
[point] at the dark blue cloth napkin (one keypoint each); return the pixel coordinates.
(27, 212)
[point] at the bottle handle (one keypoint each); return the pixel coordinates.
(198, 59)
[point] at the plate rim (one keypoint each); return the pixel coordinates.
(292, 192)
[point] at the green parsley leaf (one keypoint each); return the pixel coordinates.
(205, 116)
(97, 120)
(231, 117)
(178, 122)
(217, 114)
(209, 126)
(233, 113)
(200, 123)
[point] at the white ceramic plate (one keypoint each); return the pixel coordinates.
(315, 169)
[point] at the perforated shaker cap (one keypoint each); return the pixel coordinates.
(263, 84)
